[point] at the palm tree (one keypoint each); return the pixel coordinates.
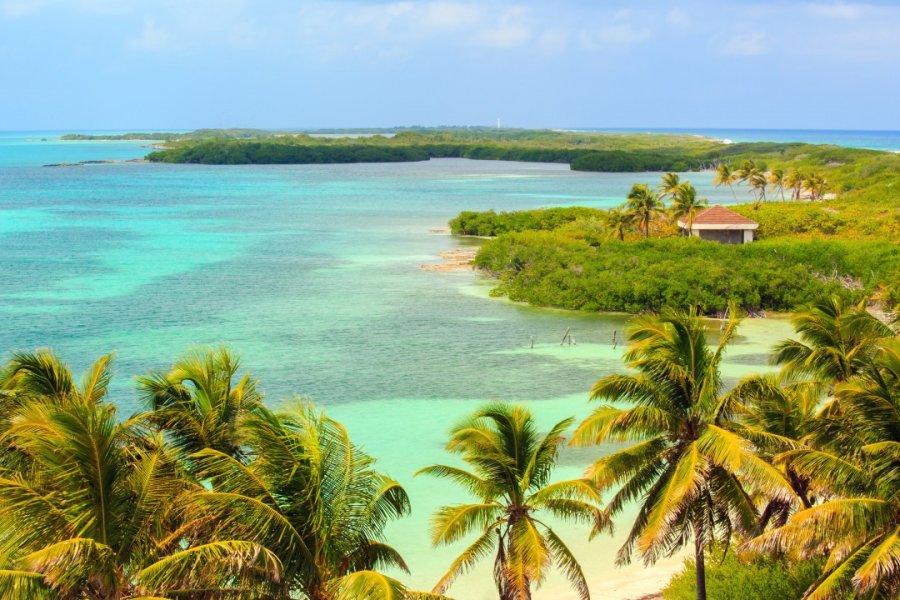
(198, 403)
(669, 185)
(747, 168)
(815, 185)
(617, 221)
(725, 175)
(642, 204)
(97, 512)
(779, 415)
(777, 180)
(312, 497)
(859, 527)
(835, 342)
(511, 466)
(758, 182)
(794, 181)
(42, 376)
(687, 467)
(686, 204)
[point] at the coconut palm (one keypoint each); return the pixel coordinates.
(97, 512)
(779, 415)
(686, 204)
(743, 173)
(776, 181)
(617, 221)
(669, 185)
(725, 175)
(42, 376)
(815, 184)
(757, 181)
(511, 465)
(198, 403)
(793, 180)
(835, 342)
(642, 205)
(312, 497)
(687, 468)
(859, 528)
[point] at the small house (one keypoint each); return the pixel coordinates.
(718, 224)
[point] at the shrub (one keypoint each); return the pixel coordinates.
(754, 579)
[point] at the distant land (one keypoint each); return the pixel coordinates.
(828, 215)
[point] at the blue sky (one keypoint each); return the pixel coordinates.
(140, 64)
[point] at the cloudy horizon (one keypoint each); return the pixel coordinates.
(106, 64)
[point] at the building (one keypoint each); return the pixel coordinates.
(718, 224)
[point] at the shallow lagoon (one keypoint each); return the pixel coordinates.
(312, 274)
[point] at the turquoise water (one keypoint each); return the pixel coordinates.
(312, 274)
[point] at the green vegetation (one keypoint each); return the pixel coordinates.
(234, 152)
(489, 223)
(512, 465)
(685, 468)
(209, 494)
(756, 467)
(752, 578)
(635, 257)
(117, 137)
(584, 270)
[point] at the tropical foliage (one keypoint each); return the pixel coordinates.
(510, 478)
(687, 469)
(785, 485)
(207, 495)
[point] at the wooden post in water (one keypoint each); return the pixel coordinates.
(615, 341)
(565, 335)
(532, 342)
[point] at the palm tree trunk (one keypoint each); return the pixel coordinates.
(701, 565)
(731, 187)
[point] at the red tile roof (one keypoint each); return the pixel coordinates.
(719, 215)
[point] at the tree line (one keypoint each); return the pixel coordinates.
(210, 494)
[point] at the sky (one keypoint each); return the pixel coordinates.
(184, 64)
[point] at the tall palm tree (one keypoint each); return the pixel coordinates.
(686, 204)
(776, 181)
(725, 175)
(687, 467)
(97, 512)
(815, 184)
(312, 497)
(743, 172)
(794, 181)
(642, 205)
(198, 403)
(835, 342)
(779, 415)
(617, 221)
(757, 181)
(859, 527)
(511, 468)
(669, 185)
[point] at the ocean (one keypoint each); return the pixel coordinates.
(312, 274)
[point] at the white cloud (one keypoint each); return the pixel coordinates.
(553, 41)
(508, 29)
(450, 15)
(152, 39)
(746, 44)
(837, 10)
(22, 8)
(678, 18)
(613, 36)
